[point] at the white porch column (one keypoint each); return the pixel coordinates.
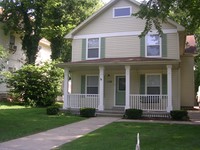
(66, 81)
(101, 88)
(169, 87)
(128, 68)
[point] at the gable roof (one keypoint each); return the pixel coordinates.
(102, 10)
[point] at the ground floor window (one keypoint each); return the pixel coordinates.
(153, 84)
(92, 84)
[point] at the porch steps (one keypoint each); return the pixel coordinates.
(110, 113)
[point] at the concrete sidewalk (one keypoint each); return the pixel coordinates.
(58, 136)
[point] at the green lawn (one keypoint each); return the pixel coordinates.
(17, 121)
(122, 136)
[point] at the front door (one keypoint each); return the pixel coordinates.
(120, 91)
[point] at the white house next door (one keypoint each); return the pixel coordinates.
(120, 91)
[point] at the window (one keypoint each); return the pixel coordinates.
(122, 12)
(93, 48)
(153, 84)
(153, 45)
(92, 84)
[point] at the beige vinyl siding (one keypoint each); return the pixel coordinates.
(173, 46)
(187, 81)
(76, 50)
(128, 46)
(105, 23)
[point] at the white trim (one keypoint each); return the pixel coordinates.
(99, 52)
(66, 79)
(122, 8)
(115, 86)
(160, 44)
(127, 91)
(115, 34)
(169, 87)
(149, 74)
(101, 88)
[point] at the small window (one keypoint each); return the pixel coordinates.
(122, 12)
(153, 84)
(93, 48)
(153, 45)
(92, 85)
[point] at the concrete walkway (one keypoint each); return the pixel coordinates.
(58, 136)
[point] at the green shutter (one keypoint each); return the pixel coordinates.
(103, 48)
(142, 46)
(164, 45)
(83, 49)
(164, 84)
(83, 84)
(142, 84)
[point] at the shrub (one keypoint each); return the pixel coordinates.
(36, 85)
(133, 113)
(179, 115)
(53, 110)
(87, 112)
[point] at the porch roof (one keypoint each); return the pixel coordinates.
(122, 61)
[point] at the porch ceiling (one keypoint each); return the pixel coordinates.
(119, 63)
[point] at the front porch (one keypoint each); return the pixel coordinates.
(145, 84)
(144, 102)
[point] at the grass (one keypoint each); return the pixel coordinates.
(121, 136)
(18, 121)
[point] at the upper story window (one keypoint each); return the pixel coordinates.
(93, 48)
(153, 45)
(122, 12)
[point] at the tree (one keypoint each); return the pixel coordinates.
(60, 17)
(36, 85)
(25, 18)
(182, 11)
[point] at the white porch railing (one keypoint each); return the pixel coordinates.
(82, 100)
(149, 102)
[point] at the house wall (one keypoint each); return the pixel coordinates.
(110, 83)
(130, 47)
(105, 23)
(16, 60)
(187, 81)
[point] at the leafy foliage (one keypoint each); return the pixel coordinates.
(52, 110)
(179, 114)
(87, 112)
(133, 113)
(60, 17)
(36, 85)
(25, 18)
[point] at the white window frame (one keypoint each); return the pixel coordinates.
(122, 8)
(152, 74)
(87, 48)
(86, 83)
(146, 44)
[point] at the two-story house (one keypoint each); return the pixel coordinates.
(112, 67)
(16, 57)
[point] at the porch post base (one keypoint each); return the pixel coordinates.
(101, 107)
(169, 109)
(127, 107)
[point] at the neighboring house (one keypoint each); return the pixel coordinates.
(112, 67)
(16, 57)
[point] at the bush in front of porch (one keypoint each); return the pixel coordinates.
(87, 112)
(133, 113)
